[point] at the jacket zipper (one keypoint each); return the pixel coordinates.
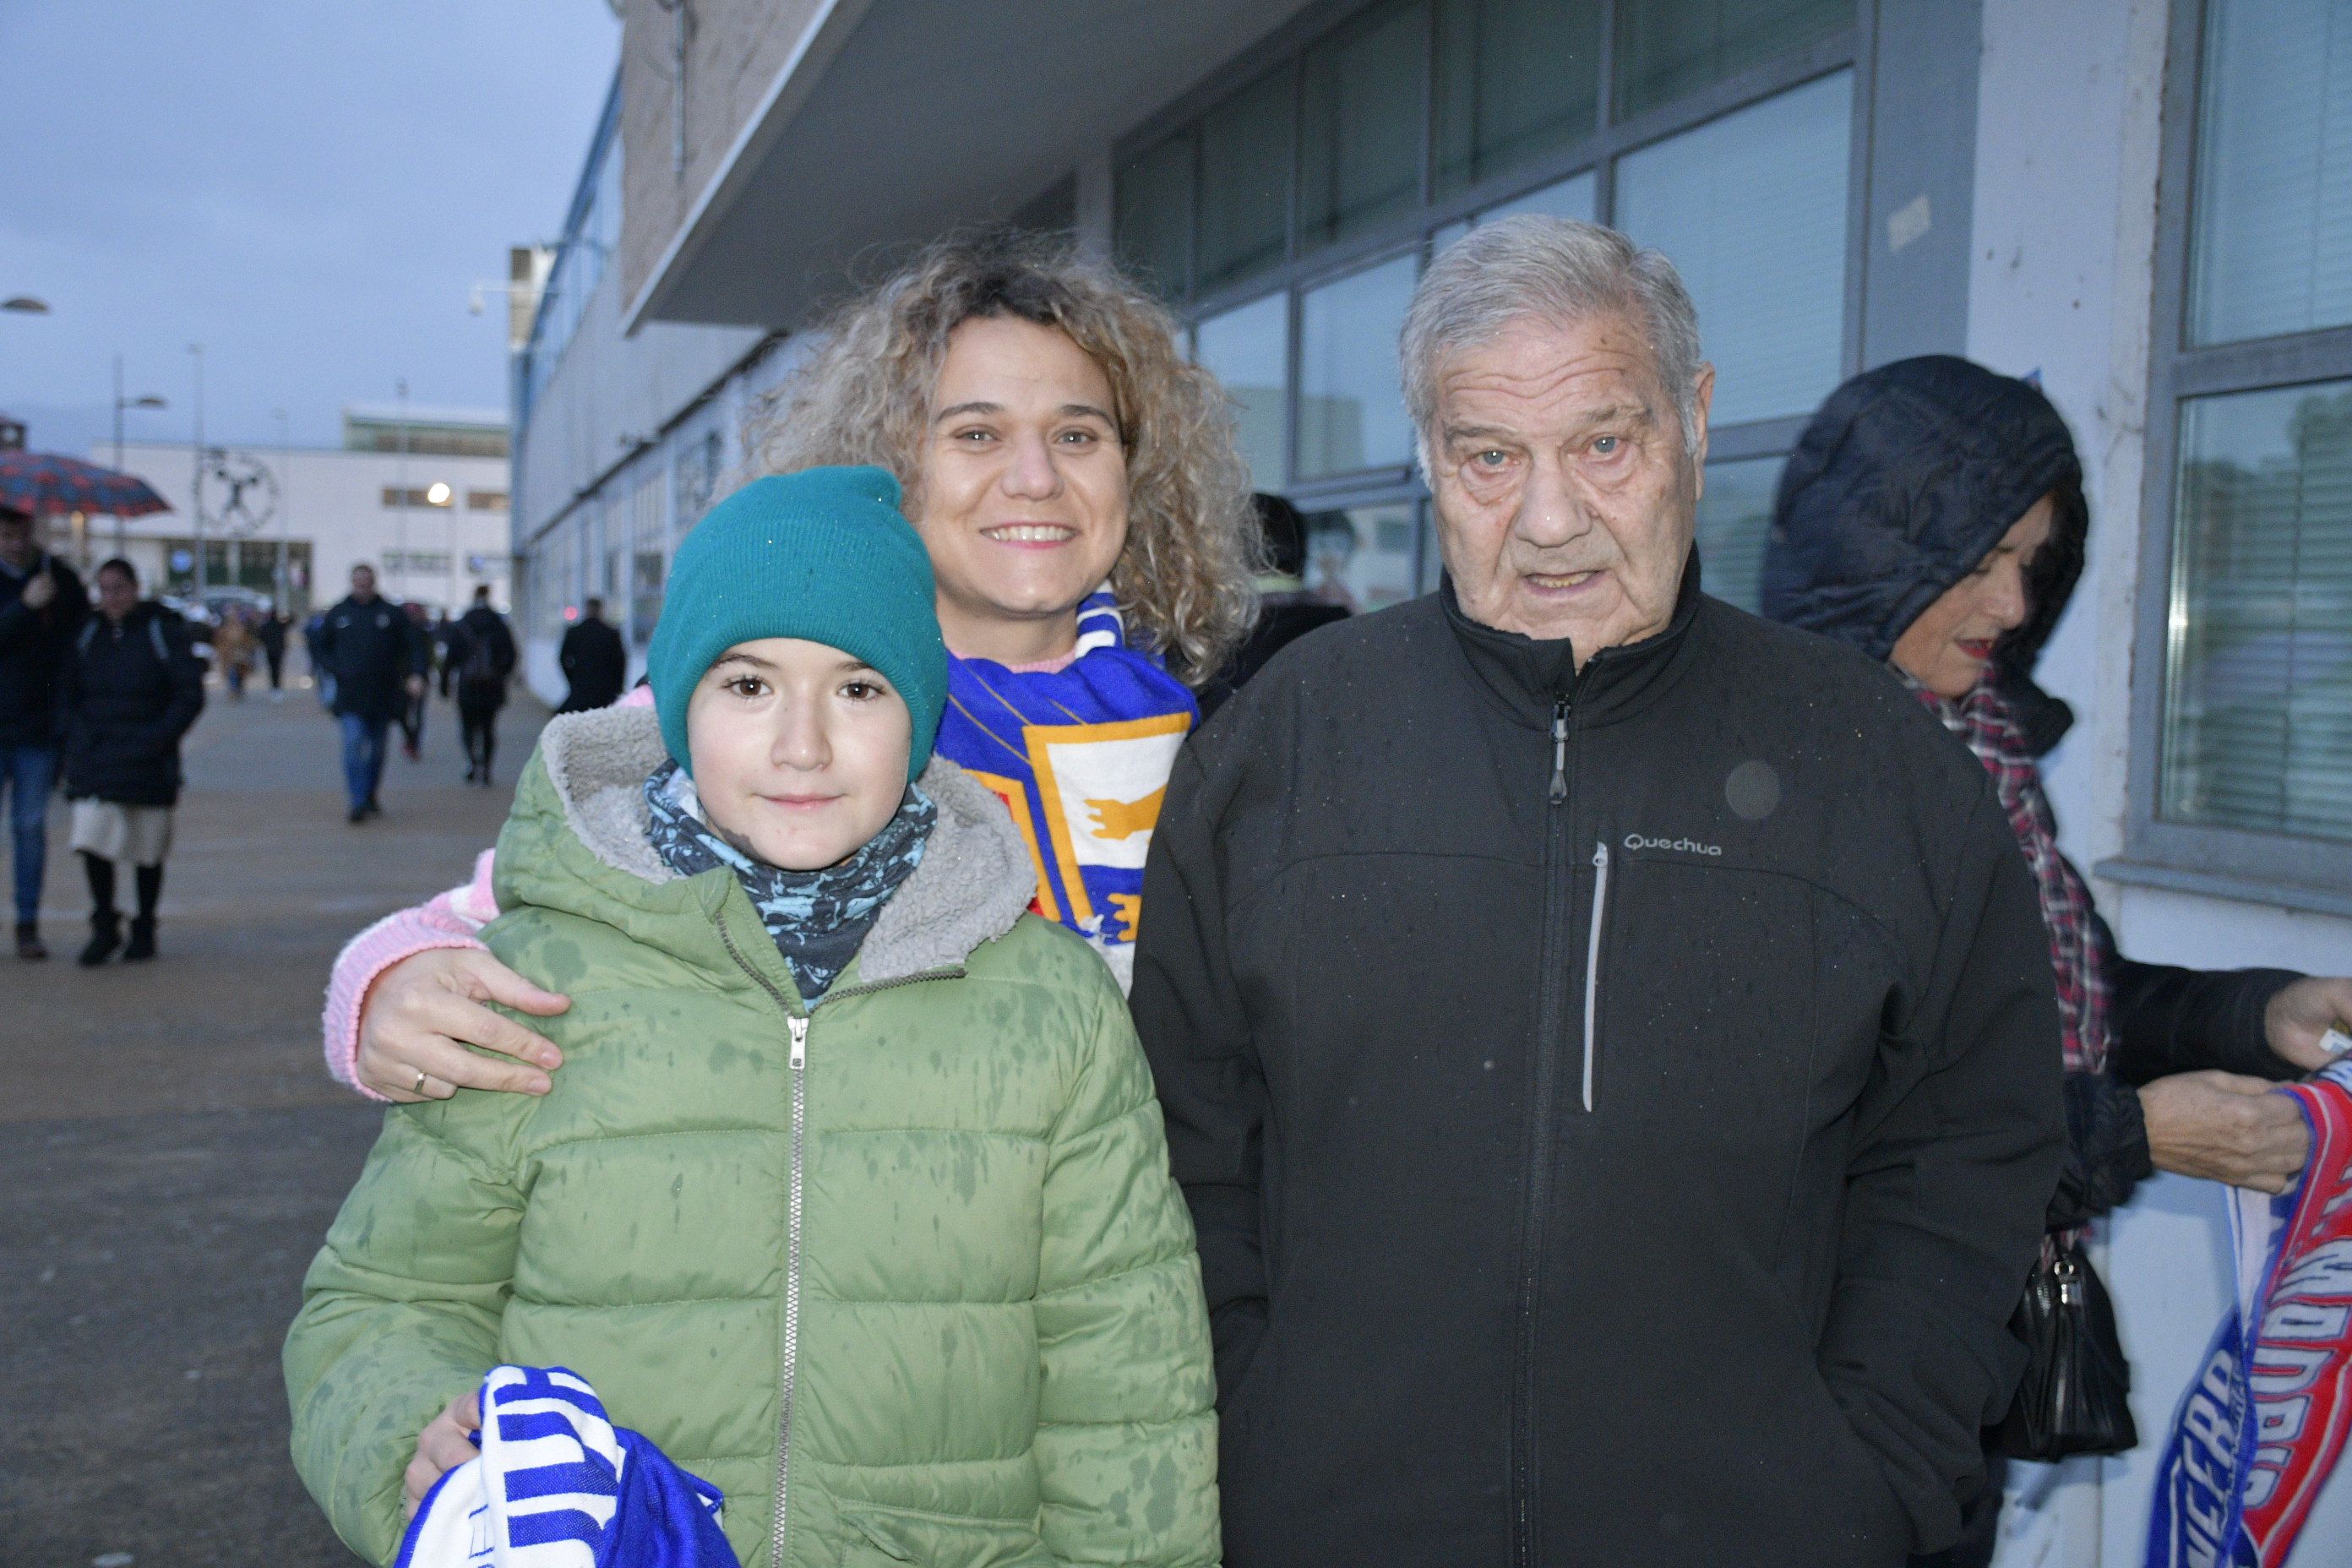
(1593, 960)
(798, 1024)
(1549, 1006)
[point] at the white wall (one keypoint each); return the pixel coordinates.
(2062, 280)
(334, 499)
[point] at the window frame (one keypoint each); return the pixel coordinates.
(1850, 48)
(2297, 871)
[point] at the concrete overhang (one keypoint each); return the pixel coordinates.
(895, 121)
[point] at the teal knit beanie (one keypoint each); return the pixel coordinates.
(823, 555)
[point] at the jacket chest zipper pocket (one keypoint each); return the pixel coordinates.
(1592, 963)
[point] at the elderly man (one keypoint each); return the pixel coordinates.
(1607, 1040)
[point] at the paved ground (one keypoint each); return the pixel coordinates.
(171, 1150)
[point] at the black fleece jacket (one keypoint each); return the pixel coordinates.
(33, 647)
(1617, 1108)
(1902, 483)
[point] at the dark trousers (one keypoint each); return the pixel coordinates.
(277, 667)
(27, 774)
(363, 755)
(478, 723)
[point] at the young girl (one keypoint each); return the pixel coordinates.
(854, 1197)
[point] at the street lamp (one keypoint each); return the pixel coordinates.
(145, 400)
(196, 471)
(24, 305)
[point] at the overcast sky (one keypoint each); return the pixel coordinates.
(307, 187)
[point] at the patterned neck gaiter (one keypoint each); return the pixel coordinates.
(818, 918)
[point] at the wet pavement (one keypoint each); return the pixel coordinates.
(172, 1150)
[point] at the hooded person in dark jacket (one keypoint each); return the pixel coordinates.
(1602, 1036)
(132, 688)
(41, 607)
(594, 663)
(1933, 517)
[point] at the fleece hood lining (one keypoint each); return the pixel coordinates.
(974, 882)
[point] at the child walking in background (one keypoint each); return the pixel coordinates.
(853, 1198)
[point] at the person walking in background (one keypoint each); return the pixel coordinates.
(375, 658)
(42, 606)
(132, 687)
(411, 710)
(1933, 517)
(481, 656)
(595, 666)
(270, 633)
(233, 650)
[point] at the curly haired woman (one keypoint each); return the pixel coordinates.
(1074, 478)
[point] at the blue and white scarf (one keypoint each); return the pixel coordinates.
(818, 918)
(559, 1486)
(1081, 756)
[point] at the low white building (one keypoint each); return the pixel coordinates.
(419, 494)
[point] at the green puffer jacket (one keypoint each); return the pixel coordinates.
(924, 1231)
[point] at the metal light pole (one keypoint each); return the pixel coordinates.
(400, 482)
(278, 580)
(196, 471)
(149, 400)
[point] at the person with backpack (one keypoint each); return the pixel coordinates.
(482, 656)
(130, 688)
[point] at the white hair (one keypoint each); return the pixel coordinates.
(1550, 269)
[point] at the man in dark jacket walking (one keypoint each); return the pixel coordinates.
(377, 661)
(130, 689)
(42, 605)
(481, 661)
(595, 662)
(1605, 1038)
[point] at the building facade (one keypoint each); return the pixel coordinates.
(2148, 204)
(420, 494)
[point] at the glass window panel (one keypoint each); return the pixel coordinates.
(1446, 236)
(1364, 557)
(1733, 517)
(1752, 210)
(1154, 219)
(1360, 159)
(2271, 249)
(1248, 350)
(1517, 80)
(1572, 197)
(1667, 48)
(2258, 679)
(1350, 399)
(1245, 182)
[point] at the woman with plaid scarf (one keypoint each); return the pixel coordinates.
(1933, 517)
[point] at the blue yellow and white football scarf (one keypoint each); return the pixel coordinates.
(2260, 1429)
(1081, 755)
(559, 1486)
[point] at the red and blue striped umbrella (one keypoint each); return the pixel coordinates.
(46, 485)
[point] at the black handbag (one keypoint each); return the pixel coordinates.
(2076, 1395)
